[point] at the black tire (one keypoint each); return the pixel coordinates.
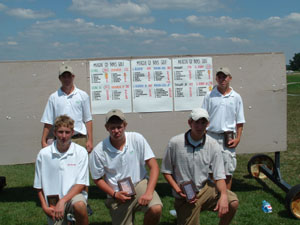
(292, 201)
(260, 159)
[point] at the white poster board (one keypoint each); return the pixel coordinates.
(193, 78)
(152, 85)
(110, 86)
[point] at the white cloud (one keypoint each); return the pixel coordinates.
(148, 42)
(186, 36)
(294, 17)
(2, 7)
(199, 5)
(56, 44)
(147, 32)
(279, 26)
(29, 14)
(123, 10)
(239, 40)
(235, 40)
(221, 22)
(8, 43)
(79, 27)
(12, 43)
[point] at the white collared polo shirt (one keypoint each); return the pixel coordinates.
(116, 165)
(75, 105)
(57, 172)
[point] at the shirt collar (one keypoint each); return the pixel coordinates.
(74, 92)
(108, 146)
(55, 151)
(187, 142)
(227, 95)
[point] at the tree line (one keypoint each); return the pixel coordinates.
(294, 63)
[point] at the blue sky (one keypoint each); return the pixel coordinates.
(72, 29)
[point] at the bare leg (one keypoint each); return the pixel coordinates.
(80, 213)
(226, 219)
(228, 182)
(152, 216)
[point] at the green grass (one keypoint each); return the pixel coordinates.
(294, 86)
(19, 203)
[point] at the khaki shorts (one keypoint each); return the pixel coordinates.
(68, 209)
(123, 213)
(208, 197)
(81, 140)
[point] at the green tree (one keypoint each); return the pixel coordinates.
(295, 62)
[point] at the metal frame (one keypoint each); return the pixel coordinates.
(276, 176)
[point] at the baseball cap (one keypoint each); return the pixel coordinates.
(199, 113)
(65, 68)
(224, 70)
(114, 112)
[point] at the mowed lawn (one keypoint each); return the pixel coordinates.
(19, 203)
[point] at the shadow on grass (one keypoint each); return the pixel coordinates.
(96, 193)
(286, 214)
(103, 223)
(267, 189)
(19, 194)
(163, 189)
(240, 185)
(106, 223)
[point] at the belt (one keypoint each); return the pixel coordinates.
(78, 135)
(223, 133)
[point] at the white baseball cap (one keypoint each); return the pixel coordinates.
(199, 113)
(65, 68)
(224, 70)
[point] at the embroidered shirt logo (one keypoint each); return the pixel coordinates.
(71, 164)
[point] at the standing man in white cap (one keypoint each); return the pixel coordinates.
(75, 103)
(71, 101)
(225, 108)
(117, 166)
(186, 167)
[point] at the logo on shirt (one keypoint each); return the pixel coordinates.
(71, 164)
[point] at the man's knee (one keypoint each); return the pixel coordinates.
(234, 205)
(80, 208)
(155, 210)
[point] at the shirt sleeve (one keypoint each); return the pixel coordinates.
(205, 102)
(240, 111)
(87, 115)
(48, 115)
(218, 163)
(166, 166)
(83, 169)
(37, 175)
(95, 164)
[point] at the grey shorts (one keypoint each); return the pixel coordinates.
(229, 156)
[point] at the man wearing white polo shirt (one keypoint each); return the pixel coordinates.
(71, 101)
(117, 166)
(61, 175)
(225, 109)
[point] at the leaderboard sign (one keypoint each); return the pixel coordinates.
(149, 85)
